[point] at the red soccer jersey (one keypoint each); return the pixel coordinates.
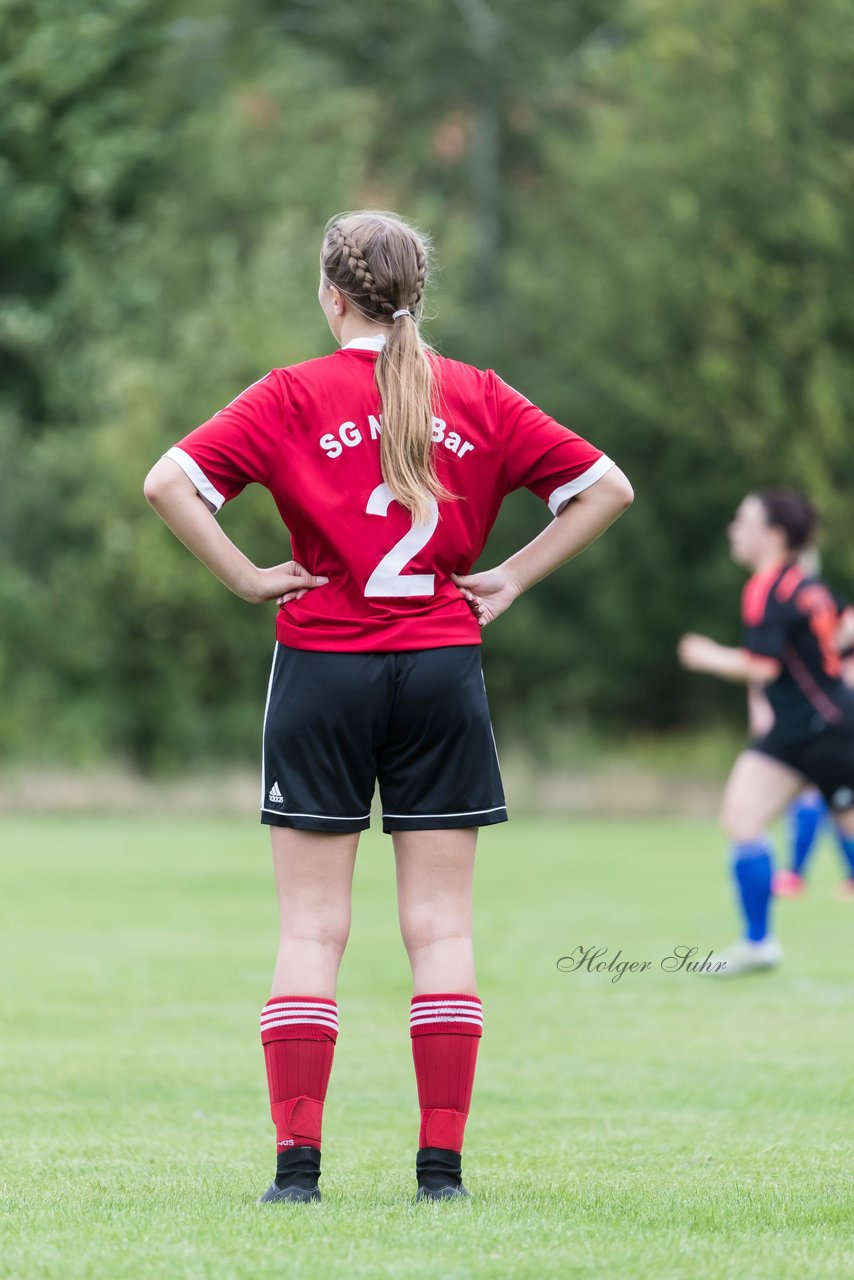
(310, 433)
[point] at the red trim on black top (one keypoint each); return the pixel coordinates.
(755, 595)
(789, 583)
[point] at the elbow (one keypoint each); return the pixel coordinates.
(152, 487)
(166, 485)
(163, 479)
(621, 490)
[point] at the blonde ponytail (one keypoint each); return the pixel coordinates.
(380, 264)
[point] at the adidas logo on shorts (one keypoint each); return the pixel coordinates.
(275, 796)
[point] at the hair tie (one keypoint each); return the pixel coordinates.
(403, 313)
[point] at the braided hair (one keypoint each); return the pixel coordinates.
(380, 264)
(366, 289)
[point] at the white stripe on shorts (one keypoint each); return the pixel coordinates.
(462, 814)
(327, 817)
(264, 728)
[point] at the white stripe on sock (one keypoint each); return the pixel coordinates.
(308, 1011)
(450, 1009)
(445, 1008)
(417, 1022)
(469, 1000)
(275, 1005)
(289, 1022)
(444, 1018)
(443, 1004)
(290, 1012)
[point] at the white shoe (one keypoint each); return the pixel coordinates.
(746, 957)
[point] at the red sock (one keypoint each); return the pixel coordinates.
(298, 1034)
(445, 1030)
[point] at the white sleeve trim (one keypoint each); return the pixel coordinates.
(198, 477)
(560, 497)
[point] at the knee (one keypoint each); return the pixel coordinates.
(844, 820)
(421, 928)
(738, 825)
(325, 928)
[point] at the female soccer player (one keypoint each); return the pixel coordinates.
(388, 464)
(789, 647)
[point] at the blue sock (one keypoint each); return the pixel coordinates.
(846, 846)
(805, 818)
(752, 865)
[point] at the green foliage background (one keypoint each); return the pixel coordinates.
(642, 217)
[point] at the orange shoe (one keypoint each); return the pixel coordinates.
(788, 884)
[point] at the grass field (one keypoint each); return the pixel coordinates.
(664, 1125)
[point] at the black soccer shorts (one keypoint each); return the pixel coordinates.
(825, 758)
(418, 721)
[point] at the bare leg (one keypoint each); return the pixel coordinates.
(434, 891)
(845, 822)
(314, 877)
(435, 871)
(314, 882)
(757, 791)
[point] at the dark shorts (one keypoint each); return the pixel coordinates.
(825, 758)
(417, 721)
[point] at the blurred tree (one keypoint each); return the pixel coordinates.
(183, 199)
(642, 221)
(450, 78)
(693, 192)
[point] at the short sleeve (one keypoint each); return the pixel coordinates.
(766, 621)
(542, 455)
(237, 446)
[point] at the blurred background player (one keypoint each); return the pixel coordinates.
(789, 651)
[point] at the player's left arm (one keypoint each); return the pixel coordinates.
(760, 716)
(701, 653)
(844, 638)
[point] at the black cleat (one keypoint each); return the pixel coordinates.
(297, 1171)
(439, 1174)
(442, 1193)
(299, 1194)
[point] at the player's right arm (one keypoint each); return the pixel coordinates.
(210, 467)
(186, 512)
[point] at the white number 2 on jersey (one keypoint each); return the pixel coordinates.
(387, 579)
